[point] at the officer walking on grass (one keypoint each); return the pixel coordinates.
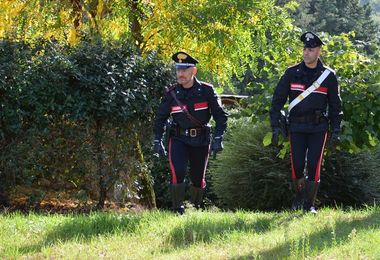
(314, 108)
(190, 104)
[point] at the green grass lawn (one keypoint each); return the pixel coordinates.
(332, 234)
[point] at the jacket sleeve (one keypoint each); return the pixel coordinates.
(334, 105)
(279, 99)
(162, 115)
(220, 116)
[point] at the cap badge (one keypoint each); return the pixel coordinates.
(309, 36)
(181, 56)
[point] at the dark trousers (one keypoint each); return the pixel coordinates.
(307, 146)
(182, 155)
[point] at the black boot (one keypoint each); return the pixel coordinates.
(311, 189)
(299, 188)
(196, 196)
(178, 195)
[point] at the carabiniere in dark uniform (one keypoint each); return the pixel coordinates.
(309, 120)
(190, 110)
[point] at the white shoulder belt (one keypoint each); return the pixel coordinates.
(316, 84)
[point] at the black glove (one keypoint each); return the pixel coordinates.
(276, 131)
(217, 145)
(159, 148)
(334, 138)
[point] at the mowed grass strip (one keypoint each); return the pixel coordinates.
(332, 234)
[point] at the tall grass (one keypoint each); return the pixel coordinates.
(333, 233)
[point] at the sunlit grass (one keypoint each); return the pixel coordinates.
(332, 234)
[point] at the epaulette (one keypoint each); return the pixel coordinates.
(206, 84)
(330, 69)
(170, 88)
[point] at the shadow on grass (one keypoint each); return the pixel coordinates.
(204, 229)
(337, 234)
(85, 227)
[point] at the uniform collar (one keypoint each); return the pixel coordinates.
(319, 65)
(196, 83)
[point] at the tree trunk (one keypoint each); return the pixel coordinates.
(77, 12)
(134, 23)
(100, 163)
(147, 191)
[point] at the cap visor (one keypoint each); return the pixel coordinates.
(311, 45)
(184, 65)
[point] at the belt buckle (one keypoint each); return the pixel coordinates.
(193, 132)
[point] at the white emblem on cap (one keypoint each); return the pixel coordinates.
(309, 36)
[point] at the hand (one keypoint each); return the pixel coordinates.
(217, 145)
(275, 134)
(159, 148)
(334, 139)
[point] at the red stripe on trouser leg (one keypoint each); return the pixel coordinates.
(174, 176)
(291, 160)
(318, 168)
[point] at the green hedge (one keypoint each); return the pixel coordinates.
(78, 117)
(249, 175)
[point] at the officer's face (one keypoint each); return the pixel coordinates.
(311, 55)
(185, 77)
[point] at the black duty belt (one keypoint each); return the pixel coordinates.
(307, 119)
(192, 132)
(302, 119)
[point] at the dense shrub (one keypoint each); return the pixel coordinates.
(250, 175)
(81, 116)
(247, 174)
(351, 179)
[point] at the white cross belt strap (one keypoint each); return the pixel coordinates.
(309, 90)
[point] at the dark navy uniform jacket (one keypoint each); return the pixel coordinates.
(201, 102)
(294, 81)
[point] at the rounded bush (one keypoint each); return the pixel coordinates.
(249, 175)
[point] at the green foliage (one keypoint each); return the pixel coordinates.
(226, 43)
(79, 114)
(336, 17)
(14, 59)
(357, 67)
(248, 174)
(351, 179)
(251, 175)
(161, 173)
(359, 77)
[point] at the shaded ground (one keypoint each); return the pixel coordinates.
(61, 202)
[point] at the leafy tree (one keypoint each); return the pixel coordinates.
(226, 43)
(359, 77)
(335, 17)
